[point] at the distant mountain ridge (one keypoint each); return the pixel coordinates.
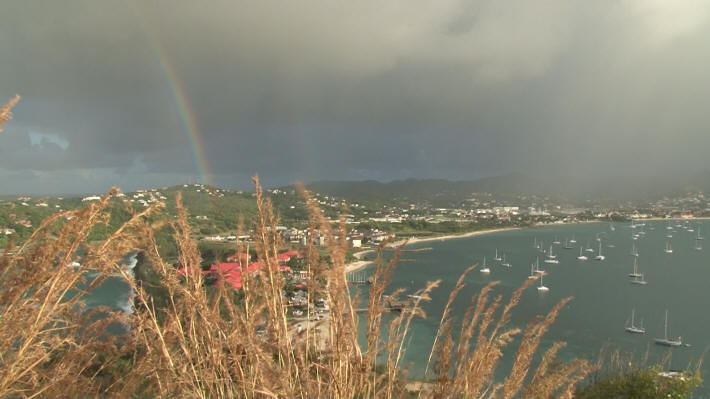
(429, 190)
(445, 192)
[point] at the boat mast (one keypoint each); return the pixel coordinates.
(665, 327)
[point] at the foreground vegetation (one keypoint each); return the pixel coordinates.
(216, 343)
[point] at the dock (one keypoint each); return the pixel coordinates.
(358, 278)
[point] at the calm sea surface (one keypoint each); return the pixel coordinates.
(603, 296)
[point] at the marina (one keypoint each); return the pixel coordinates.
(605, 294)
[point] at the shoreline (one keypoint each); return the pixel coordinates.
(361, 264)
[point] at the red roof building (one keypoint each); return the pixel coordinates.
(232, 272)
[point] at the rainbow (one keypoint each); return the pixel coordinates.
(181, 102)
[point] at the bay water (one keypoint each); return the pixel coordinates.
(603, 296)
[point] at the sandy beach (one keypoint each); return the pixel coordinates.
(360, 264)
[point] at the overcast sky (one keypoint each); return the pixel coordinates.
(307, 90)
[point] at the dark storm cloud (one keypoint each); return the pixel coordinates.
(318, 89)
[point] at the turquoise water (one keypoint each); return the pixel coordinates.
(603, 295)
(114, 292)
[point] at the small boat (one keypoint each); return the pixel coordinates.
(636, 273)
(665, 341)
(497, 258)
(581, 257)
(612, 228)
(485, 269)
(552, 258)
(504, 263)
(638, 280)
(632, 328)
(600, 256)
(668, 250)
(542, 288)
(669, 235)
(551, 255)
(537, 267)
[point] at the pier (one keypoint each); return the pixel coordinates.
(358, 278)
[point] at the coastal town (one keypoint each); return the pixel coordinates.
(367, 224)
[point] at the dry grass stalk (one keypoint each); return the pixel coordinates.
(48, 345)
(6, 110)
(197, 342)
(463, 370)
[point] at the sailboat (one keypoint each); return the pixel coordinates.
(551, 258)
(665, 341)
(535, 244)
(632, 328)
(698, 245)
(542, 288)
(636, 271)
(572, 241)
(532, 271)
(669, 227)
(504, 263)
(537, 266)
(497, 258)
(700, 237)
(485, 268)
(600, 256)
(612, 228)
(668, 250)
(638, 280)
(581, 257)
(589, 249)
(556, 242)
(568, 245)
